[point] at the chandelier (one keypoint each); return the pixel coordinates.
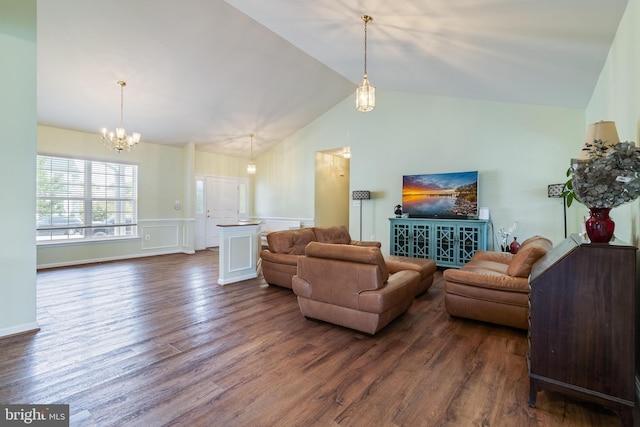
(366, 94)
(251, 167)
(120, 141)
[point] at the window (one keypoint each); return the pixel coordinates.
(85, 200)
(199, 197)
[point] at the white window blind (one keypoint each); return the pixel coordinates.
(83, 199)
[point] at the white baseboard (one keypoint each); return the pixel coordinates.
(19, 329)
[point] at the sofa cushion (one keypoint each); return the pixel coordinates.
(292, 242)
(533, 239)
(523, 261)
(499, 257)
(486, 279)
(485, 265)
(359, 254)
(338, 234)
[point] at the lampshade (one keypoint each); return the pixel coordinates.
(604, 131)
(361, 195)
(555, 190)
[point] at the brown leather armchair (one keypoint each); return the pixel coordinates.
(494, 286)
(350, 286)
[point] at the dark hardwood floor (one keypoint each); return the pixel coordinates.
(156, 341)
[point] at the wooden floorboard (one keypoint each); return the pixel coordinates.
(157, 342)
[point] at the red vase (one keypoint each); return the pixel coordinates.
(600, 226)
(515, 246)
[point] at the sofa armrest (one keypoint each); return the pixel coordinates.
(398, 288)
(501, 257)
(487, 279)
(277, 258)
(366, 243)
(301, 287)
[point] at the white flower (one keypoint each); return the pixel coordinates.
(506, 233)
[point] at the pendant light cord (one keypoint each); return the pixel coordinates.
(366, 19)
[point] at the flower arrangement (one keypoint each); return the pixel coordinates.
(608, 178)
(504, 236)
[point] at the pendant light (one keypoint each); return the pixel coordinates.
(366, 93)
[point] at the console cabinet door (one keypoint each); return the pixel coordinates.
(444, 245)
(401, 238)
(421, 235)
(470, 239)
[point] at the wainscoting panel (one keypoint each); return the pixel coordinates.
(159, 236)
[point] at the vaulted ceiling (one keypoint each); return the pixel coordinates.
(213, 71)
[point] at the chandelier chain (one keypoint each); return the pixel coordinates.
(365, 46)
(366, 19)
(122, 84)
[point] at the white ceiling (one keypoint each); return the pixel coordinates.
(212, 72)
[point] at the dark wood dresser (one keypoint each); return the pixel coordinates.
(582, 324)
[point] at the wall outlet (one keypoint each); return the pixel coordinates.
(373, 237)
(147, 237)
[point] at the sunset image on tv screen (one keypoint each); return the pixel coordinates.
(440, 195)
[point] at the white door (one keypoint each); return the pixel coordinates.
(226, 204)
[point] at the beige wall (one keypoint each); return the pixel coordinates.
(17, 166)
(220, 165)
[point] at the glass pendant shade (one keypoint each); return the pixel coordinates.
(251, 168)
(365, 96)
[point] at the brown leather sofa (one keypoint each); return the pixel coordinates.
(494, 286)
(279, 261)
(350, 286)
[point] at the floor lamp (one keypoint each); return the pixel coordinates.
(361, 195)
(555, 190)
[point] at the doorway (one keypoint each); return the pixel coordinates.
(332, 176)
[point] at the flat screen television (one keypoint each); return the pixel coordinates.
(441, 195)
